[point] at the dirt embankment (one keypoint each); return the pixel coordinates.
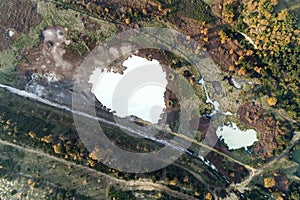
(18, 15)
(253, 115)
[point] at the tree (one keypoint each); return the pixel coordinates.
(269, 182)
(223, 36)
(194, 9)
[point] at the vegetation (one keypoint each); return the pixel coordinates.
(8, 61)
(231, 12)
(275, 57)
(51, 131)
(194, 9)
(224, 38)
(269, 182)
(119, 194)
(272, 101)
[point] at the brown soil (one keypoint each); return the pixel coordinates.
(89, 24)
(108, 10)
(218, 52)
(4, 41)
(20, 15)
(216, 8)
(201, 124)
(282, 183)
(37, 62)
(232, 171)
(253, 115)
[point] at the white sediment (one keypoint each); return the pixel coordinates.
(236, 138)
(132, 93)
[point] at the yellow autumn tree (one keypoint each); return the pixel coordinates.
(283, 15)
(144, 11)
(257, 69)
(159, 7)
(32, 134)
(173, 182)
(47, 139)
(231, 68)
(242, 71)
(269, 182)
(127, 21)
(208, 196)
(224, 38)
(57, 148)
(272, 101)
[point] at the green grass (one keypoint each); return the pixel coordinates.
(282, 4)
(8, 60)
(195, 9)
(292, 5)
(71, 20)
(296, 156)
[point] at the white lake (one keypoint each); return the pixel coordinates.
(139, 91)
(236, 138)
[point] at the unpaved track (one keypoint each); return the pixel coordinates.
(124, 185)
(242, 186)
